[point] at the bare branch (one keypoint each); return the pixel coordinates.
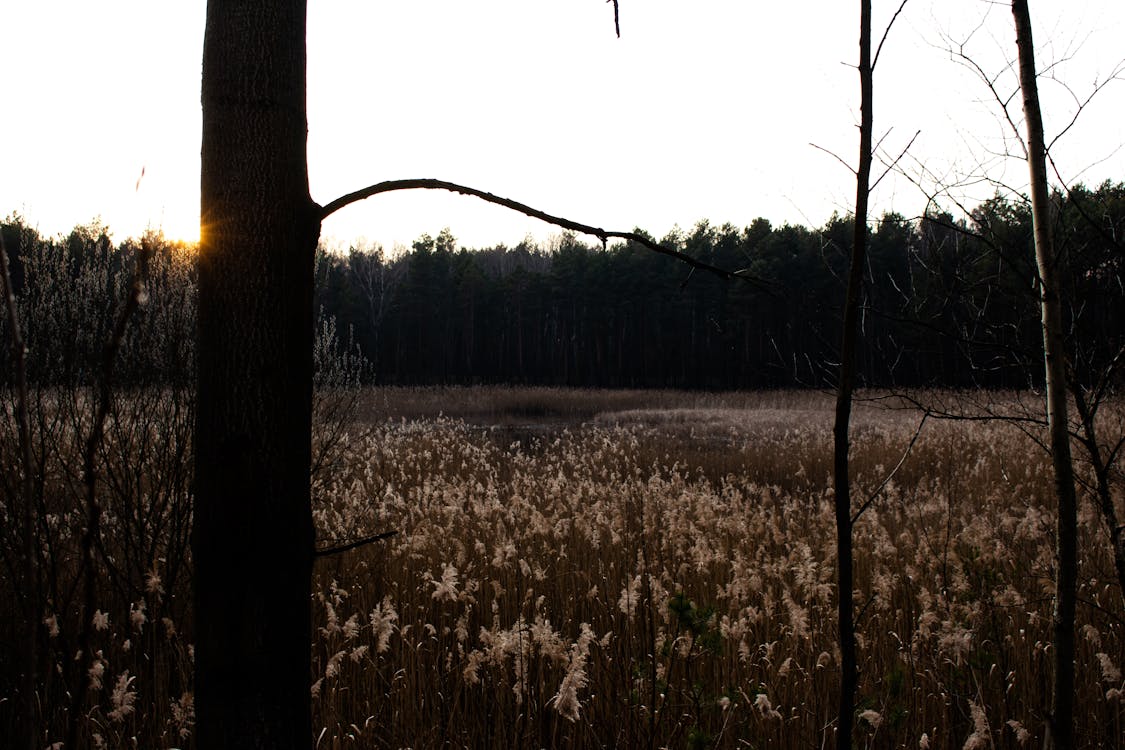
(1095, 606)
(603, 234)
(684, 283)
(963, 58)
(1101, 389)
(886, 31)
(942, 189)
(897, 159)
(1078, 176)
(985, 411)
(1082, 104)
(347, 546)
(835, 156)
(616, 17)
(1111, 457)
(946, 190)
(879, 143)
(887, 480)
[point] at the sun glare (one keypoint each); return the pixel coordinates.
(185, 233)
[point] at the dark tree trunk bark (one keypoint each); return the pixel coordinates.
(1060, 727)
(253, 539)
(849, 674)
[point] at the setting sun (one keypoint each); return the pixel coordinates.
(185, 233)
(714, 152)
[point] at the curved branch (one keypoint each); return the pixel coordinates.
(602, 234)
(887, 479)
(1080, 105)
(963, 58)
(886, 32)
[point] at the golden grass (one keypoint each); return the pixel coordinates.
(657, 570)
(614, 569)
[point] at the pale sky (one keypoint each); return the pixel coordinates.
(702, 110)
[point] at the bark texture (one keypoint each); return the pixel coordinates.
(253, 539)
(1060, 726)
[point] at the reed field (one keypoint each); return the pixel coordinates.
(621, 569)
(657, 570)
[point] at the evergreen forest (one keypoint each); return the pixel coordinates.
(949, 301)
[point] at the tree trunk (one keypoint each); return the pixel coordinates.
(1060, 726)
(849, 675)
(253, 540)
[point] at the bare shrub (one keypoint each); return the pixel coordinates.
(70, 293)
(138, 664)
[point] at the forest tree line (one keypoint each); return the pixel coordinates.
(948, 302)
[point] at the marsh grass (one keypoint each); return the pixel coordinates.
(679, 551)
(594, 569)
(96, 633)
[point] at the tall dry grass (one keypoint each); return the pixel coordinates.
(96, 629)
(591, 569)
(663, 577)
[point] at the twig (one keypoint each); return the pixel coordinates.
(337, 549)
(616, 17)
(1115, 75)
(964, 59)
(835, 156)
(898, 158)
(886, 32)
(863, 610)
(887, 480)
(1103, 610)
(684, 283)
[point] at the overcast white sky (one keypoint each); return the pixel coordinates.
(702, 110)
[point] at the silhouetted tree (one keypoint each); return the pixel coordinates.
(253, 541)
